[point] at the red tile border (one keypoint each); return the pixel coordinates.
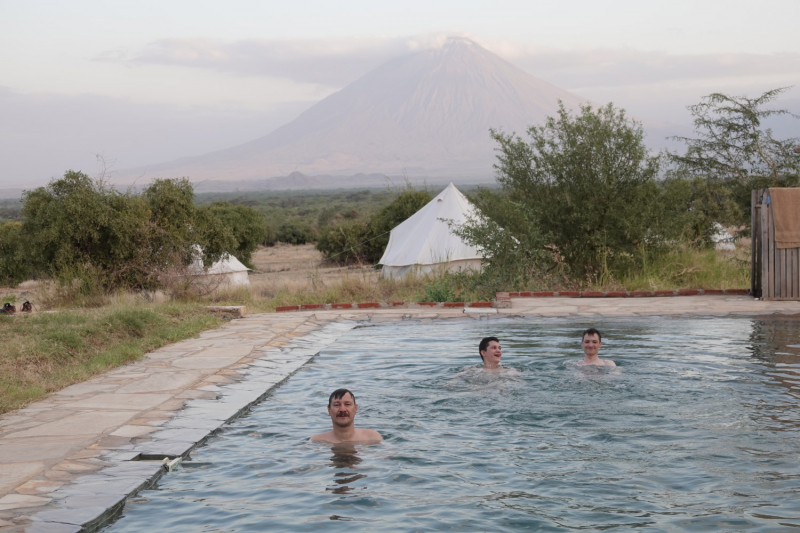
(640, 293)
(504, 297)
(737, 291)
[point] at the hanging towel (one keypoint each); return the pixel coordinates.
(786, 216)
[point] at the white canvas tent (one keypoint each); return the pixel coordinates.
(424, 242)
(723, 240)
(227, 271)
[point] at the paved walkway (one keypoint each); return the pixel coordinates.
(68, 462)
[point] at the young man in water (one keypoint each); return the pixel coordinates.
(591, 342)
(342, 409)
(490, 352)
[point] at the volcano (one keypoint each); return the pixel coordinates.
(423, 114)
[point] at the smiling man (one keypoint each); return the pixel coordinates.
(491, 352)
(591, 341)
(342, 409)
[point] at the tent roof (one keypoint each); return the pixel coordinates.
(225, 265)
(424, 239)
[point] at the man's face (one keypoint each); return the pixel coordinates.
(492, 353)
(343, 410)
(591, 344)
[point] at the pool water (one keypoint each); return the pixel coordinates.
(696, 430)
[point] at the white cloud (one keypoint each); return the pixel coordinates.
(336, 62)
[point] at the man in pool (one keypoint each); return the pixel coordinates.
(490, 352)
(591, 341)
(342, 409)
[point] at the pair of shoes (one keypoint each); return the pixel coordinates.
(27, 307)
(8, 309)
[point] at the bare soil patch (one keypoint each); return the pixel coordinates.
(301, 263)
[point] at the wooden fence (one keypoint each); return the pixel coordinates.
(774, 272)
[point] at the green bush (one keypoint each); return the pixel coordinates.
(245, 223)
(343, 244)
(358, 242)
(90, 237)
(270, 236)
(588, 183)
(292, 233)
(14, 266)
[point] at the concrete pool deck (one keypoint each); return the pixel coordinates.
(69, 461)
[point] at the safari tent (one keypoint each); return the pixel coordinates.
(424, 242)
(227, 271)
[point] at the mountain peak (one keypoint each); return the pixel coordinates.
(425, 113)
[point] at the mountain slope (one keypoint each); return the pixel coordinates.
(425, 113)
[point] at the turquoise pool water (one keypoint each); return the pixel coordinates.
(697, 430)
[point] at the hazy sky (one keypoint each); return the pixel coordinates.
(148, 81)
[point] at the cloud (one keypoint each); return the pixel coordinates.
(336, 62)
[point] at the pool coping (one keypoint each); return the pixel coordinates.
(88, 498)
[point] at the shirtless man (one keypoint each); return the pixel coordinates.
(490, 351)
(591, 342)
(342, 409)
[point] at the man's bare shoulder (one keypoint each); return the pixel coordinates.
(601, 362)
(328, 436)
(367, 435)
(360, 435)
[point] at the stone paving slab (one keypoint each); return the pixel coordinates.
(68, 462)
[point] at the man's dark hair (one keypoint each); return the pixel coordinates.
(592, 331)
(338, 394)
(485, 344)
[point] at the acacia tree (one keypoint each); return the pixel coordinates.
(733, 147)
(588, 181)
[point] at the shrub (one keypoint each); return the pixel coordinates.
(343, 244)
(14, 267)
(246, 225)
(587, 182)
(356, 242)
(292, 233)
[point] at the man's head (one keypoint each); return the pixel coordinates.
(490, 347)
(591, 341)
(342, 407)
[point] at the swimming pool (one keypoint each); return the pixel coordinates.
(696, 430)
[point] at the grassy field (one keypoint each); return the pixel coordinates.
(45, 352)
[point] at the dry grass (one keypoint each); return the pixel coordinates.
(45, 352)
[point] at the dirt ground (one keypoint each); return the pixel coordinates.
(298, 263)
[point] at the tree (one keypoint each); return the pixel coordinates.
(357, 242)
(733, 147)
(587, 182)
(245, 223)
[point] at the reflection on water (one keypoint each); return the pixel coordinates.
(345, 456)
(696, 430)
